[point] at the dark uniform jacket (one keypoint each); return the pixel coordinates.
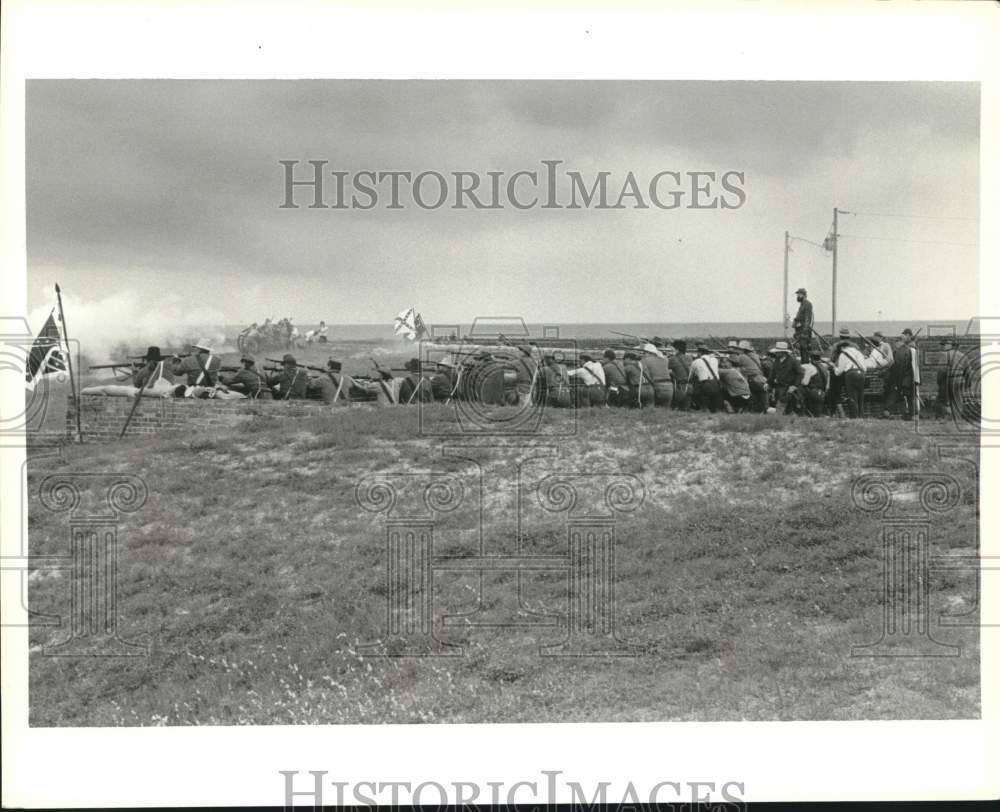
(680, 366)
(142, 375)
(290, 383)
(248, 381)
(415, 388)
(192, 365)
(442, 383)
(614, 373)
(787, 371)
(749, 365)
(803, 320)
(657, 369)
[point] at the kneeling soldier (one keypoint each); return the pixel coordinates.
(290, 382)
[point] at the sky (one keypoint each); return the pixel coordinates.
(160, 200)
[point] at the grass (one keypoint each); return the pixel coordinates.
(743, 580)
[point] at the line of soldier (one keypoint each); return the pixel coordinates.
(655, 373)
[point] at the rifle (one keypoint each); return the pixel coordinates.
(719, 342)
(131, 364)
(822, 341)
(868, 341)
(631, 335)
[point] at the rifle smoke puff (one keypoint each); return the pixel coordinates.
(101, 325)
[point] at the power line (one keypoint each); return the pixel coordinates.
(921, 242)
(912, 216)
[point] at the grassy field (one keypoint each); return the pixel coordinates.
(743, 580)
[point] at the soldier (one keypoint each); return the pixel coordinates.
(415, 388)
(849, 367)
(704, 374)
(640, 389)
(152, 375)
(803, 325)
(815, 382)
(735, 388)
(555, 381)
(949, 380)
(335, 387)
(785, 378)
(656, 367)
(248, 380)
(290, 382)
(904, 381)
(201, 368)
(680, 371)
(444, 381)
(748, 363)
(616, 384)
(592, 381)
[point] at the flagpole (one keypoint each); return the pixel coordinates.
(69, 365)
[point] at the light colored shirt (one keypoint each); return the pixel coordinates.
(808, 370)
(704, 368)
(850, 358)
(591, 373)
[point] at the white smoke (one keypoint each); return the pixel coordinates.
(135, 319)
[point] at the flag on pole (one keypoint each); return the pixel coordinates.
(47, 355)
(409, 324)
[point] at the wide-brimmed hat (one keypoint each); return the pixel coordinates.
(908, 332)
(745, 345)
(203, 344)
(801, 290)
(289, 360)
(780, 346)
(152, 355)
(652, 349)
(732, 344)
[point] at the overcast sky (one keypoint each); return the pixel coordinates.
(170, 190)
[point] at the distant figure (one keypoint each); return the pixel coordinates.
(803, 325)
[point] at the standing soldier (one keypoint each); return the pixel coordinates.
(949, 380)
(905, 378)
(415, 388)
(803, 325)
(785, 378)
(615, 381)
(201, 367)
(657, 371)
(248, 380)
(290, 382)
(680, 370)
(704, 374)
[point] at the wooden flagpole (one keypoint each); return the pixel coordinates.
(69, 365)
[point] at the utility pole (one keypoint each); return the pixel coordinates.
(833, 327)
(784, 295)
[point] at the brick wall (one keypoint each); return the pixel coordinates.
(102, 417)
